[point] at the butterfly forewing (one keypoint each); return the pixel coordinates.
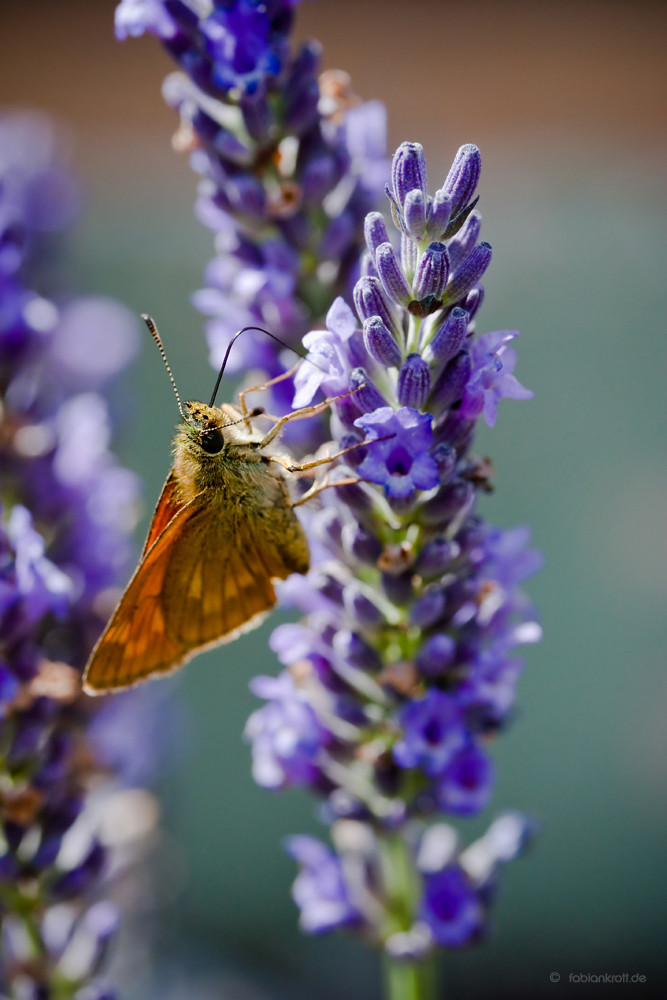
(136, 642)
(206, 578)
(166, 508)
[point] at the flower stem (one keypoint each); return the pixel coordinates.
(404, 979)
(410, 980)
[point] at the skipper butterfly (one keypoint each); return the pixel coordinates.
(224, 529)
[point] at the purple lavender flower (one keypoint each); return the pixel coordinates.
(66, 513)
(466, 783)
(319, 890)
(406, 659)
(402, 464)
(290, 165)
(451, 907)
(286, 734)
(433, 732)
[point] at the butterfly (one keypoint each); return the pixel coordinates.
(224, 529)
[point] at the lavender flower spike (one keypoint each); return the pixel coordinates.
(290, 164)
(404, 665)
(66, 513)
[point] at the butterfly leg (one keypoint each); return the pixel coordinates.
(303, 467)
(305, 411)
(324, 484)
(260, 388)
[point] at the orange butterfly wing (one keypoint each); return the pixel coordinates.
(206, 579)
(167, 507)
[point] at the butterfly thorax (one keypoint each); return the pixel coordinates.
(215, 451)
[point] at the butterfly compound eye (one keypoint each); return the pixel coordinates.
(212, 441)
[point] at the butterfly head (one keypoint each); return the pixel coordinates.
(205, 425)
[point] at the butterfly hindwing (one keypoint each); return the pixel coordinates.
(222, 585)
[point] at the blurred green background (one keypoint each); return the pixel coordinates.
(566, 101)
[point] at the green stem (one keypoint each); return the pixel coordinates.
(409, 980)
(403, 979)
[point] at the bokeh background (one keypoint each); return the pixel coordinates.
(566, 101)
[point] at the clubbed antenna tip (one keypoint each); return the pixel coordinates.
(150, 323)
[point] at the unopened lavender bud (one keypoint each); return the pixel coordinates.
(457, 429)
(295, 230)
(380, 344)
(47, 852)
(229, 147)
(318, 176)
(353, 648)
(306, 64)
(409, 256)
(391, 274)
(100, 923)
(375, 231)
(473, 301)
(367, 394)
(257, 118)
(435, 557)
(414, 214)
(247, 196)
(28, 736)
(436, 655)
(302, 92)
(449, 338)
(347, 411)
(451, 384)
(445, 458)
(452, 501)
(441, 210)
(302, 109)
(360, 544)
(356, 497)
(78, 879)
(360, 606)
(463, 176)
(408, 171)
(469, 272)
(337, 236)
(370, 300)
(9, 869)
(432, 272)
(465, 240)
(330, 587)
(199, 68)
(367, 267)
(426, 611)
(330, 527)
(414, 382)
(398, 587)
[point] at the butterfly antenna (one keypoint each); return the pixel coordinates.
(156, 337)
(259, 329)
